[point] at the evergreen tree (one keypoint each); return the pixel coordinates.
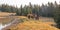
(57, 16)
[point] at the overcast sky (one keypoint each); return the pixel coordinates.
(23, 2)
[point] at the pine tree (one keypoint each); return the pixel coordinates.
(57, 16)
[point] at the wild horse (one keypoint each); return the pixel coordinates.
(33, 16)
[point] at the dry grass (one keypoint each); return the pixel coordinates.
(5, 14)
(20, 17)
(33, 25)
(28, 25)
(5, 20)
(4, 17)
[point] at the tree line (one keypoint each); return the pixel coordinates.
(48, 10)
(43, 10)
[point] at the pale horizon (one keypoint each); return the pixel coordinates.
(26, 2)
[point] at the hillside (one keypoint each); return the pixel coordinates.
(32, 25)
(44, 23)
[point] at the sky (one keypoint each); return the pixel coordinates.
(23, 2)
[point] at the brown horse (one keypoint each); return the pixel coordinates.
(33, 16)
(30, 16)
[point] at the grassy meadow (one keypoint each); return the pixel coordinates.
(44, 23)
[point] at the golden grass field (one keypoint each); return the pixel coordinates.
(4, 17)
(28, 25)
(33, 25)
(5, 14)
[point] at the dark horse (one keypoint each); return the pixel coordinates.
(33, 16)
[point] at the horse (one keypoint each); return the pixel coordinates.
(33, 16)
(30, 16)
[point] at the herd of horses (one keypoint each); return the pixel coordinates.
(33, 16)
